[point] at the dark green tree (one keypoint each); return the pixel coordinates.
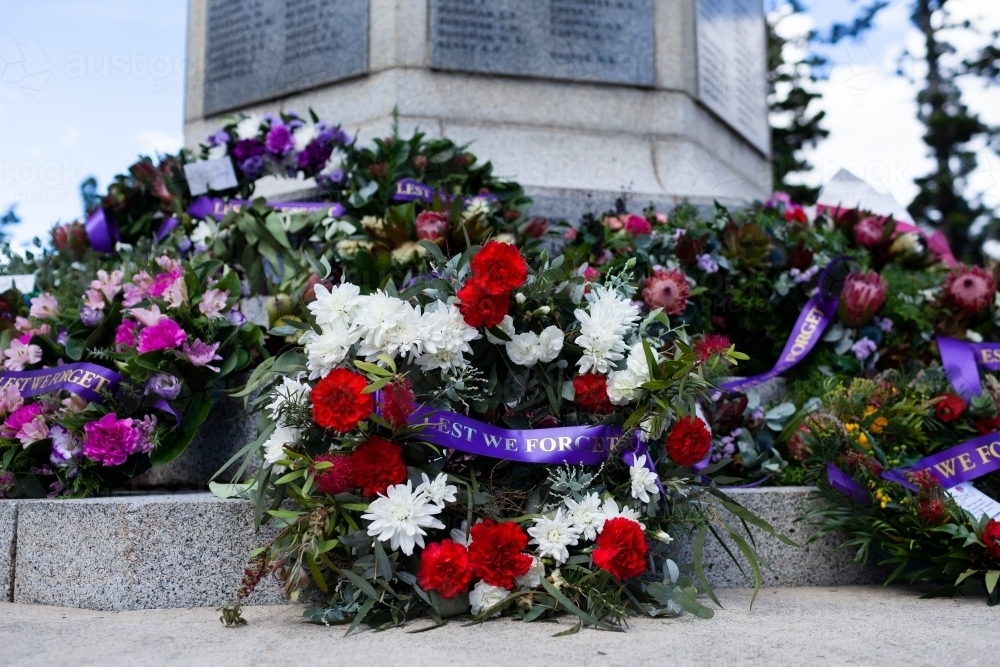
(6, 220)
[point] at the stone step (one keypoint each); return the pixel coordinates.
(188, 550)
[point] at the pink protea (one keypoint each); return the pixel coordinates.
(636, 225)
(668, 290)
(431, 226)
(164, 335)
(869, 231)
(970, 289)
(864, 293)
(110, 441)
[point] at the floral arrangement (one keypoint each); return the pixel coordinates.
(97, 389)
(496, 438)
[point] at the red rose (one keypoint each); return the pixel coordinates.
(378, 464)
(396, 403)
(338, 402)
(711, 344)
(339, 477)
(949, 407)
(689, 441)
(499, 268)
(796, 214)
(991, 537)
(444, 569)
(480, 308)
(621, 549)
(592, 393)
(495, 552)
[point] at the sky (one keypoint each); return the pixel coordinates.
(86, 86)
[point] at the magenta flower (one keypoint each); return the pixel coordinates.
(164, 335)
(163, 282)
(637, 225)
(110, 441)
(126, 334)
(201, 354)
(863, 295)
(18, 418)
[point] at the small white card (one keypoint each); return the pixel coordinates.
(24, 283)
(215, 174)
(975, 501)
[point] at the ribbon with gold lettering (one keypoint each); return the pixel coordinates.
(219, 208)
(962, 361)
(961, 463)
(83, 379)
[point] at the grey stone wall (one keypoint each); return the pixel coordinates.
(8, 536)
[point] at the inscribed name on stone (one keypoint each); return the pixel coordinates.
(732, 61)
(260, 49)
(606, 41)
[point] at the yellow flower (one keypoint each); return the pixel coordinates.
(882, 498)
(878, 425)
(870, 410)
(854, 430)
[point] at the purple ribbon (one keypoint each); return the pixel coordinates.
(847, 485)
(961, 463)
(219, 208)
(101, 232)
(169, 225)
(83, 379)
(962, 360)
(409, 189)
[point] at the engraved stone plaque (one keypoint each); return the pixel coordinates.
(732, 61)
(607, 41)
(261, 49)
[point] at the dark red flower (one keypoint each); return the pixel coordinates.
(991, 537)
(710, 344)
(378, 464)
(396, 403)
(689, 441)
(536, 227)
(621, 549)
(869, 231)
(862, 296)
(592, 393)
(796, 214)
(985, 426)
(496, 552)
(499, 268)
(444, 569)
(636, 225)
(338, 402)
(931, 510)
(479, 307)
(925, 480)
(798, 448)
(432, 226)
(339, 477)
(949, 407)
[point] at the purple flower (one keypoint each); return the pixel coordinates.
(66, 447)
(6, 484)
(62, 336)
(164, 335)
(279, 140)
(164, 385)
(220, 138)
(145, 428)
(884, 323)
(201, 354)
(864, 348)
(244, 149)
(314, 156)
(252, 168)
(110, 441)
(91, 317)
(235, 317)
(706, 264)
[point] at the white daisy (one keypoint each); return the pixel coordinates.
(643, 480)
(610, 511)
(400, 517)
(439, 491)
(484, 596)
(587, 515)
(553, 535)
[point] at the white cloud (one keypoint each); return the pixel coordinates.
(156, 142)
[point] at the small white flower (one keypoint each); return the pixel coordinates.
(664, 536)
(326, 351)
(147, 316)
(553, 535)
(507, 326)
(533, 577)
(623, 387)
(248, 127)
(524, 349)
(213, 302)
(643, 480)
(290, 391)
(400, 517)
(551, 342)
(304, 135)
(462, 535)
(202, 234)
(439, 491)
(484, 596)
(520, 298)
(610, 511)
(274, 448)
(587, 515)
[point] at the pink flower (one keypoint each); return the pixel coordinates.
(44, 306)
(22, 324)
(201, 354)
(143, 280)
(33, 431)
(93, 299)
(590, 274)
(18, 418)
(10, 400)
(147, 316)
(661, 218)
(971, 289)
(167, 264)
(176, 295)
(431, 226)
(637, 225)
(110, 441)
(108, 284)
(668, 290)
(213, 302)
(570, 234)
(163, 282)
(133, 295)
(869, 231)
(126, 334)
(614, 222)
(863, 295)
(164, 335)
(21, 354)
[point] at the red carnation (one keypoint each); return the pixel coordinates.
(621, 549)
(689, 441)
(396, 403)
(592, 393)
(378, 464)
(499, 268)
(338, 402)
(339, 477)
(991, 537)
(495, 552)
(949, 407)
(480, 308)
(711, 344)
(444, 569)
(985, 426)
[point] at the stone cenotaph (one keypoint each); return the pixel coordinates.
(579, 100)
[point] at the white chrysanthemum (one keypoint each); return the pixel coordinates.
(551, 342)
(483, 596)
(289, 391)
(400, 517)
(442, 360)
(375, 317)
(533, 577)
(336, 161)
(587, 515)
(623, 387)
(303, 136)
(439, 491)
(408, 253)
(445, 336)
(248, 127)
(336, 306)
(274, 448)
(524, 349)
(553, 535)
(402, 339)
(603, 330)
(610, 511)
(507, 326)
(643, 479)
(478, 206)
(326, 351)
